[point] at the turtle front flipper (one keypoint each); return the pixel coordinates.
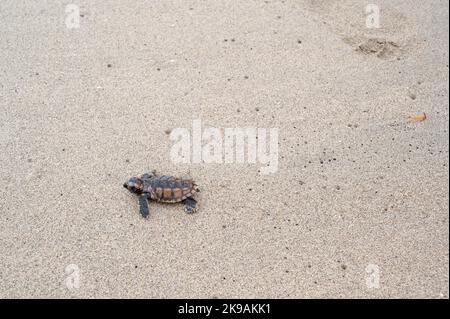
(190, 205)
(143, 206)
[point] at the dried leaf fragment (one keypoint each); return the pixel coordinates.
(417, 118)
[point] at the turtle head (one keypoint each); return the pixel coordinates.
(134, 185)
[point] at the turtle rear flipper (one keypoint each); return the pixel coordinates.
(143, 206)
(190, 205)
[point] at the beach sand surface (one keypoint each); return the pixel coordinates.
(358, 207)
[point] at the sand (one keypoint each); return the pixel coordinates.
(358, 207)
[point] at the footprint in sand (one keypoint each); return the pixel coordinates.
(381, 48)
(396, 36)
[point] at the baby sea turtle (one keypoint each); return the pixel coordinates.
(165, 189)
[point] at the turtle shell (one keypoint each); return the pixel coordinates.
(170, 189)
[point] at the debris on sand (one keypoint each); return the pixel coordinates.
(417, 118)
